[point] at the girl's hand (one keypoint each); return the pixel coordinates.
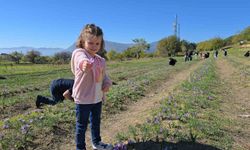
(86, 65)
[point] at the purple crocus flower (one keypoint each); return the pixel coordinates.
(210, 98)
(6, 126)
(25, 129)
(120, 146)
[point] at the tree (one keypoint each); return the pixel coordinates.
(242, 36)
(43, 60)
(192, 46)
(62, 57)
(112, 55)
(184, 45)
(209, 45)
(168, 46)
(31, 55)
(130, 52)
(16, 57)
(228, 41)
(217, 43)
(140, 46)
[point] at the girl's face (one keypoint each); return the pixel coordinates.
(93, 45)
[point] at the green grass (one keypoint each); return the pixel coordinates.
(191, 114)
(134, 79)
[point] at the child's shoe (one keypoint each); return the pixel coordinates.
(38, 101)
(102, 146)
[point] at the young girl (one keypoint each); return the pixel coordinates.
(91, 82)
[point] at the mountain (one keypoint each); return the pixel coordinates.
(44, 51)
(119, 47)
(153, 46)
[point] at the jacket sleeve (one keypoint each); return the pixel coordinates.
(77, 59)
(106, 80)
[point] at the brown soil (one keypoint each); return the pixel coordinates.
(236, 103)
(16, 109)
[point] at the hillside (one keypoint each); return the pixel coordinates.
(119, 47)
(24, 50)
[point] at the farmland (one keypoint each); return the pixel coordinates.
(194, 105)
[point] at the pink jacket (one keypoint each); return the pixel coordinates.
(84, 86)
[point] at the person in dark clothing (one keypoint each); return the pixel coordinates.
(247, 54)
(216, 53)
(207, 55)
(225, 52)
(172, 61)
(190, 53)
(59, 90)
(186, 56)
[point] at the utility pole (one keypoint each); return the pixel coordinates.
(179, 31)
(177, 28)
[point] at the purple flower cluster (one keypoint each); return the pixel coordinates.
(6, 124)
(25, 128)
(210, 98)
(156, 120)
(120, 146)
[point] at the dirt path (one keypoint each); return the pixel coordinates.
(140, 111)
(236, 103)
(137, 112)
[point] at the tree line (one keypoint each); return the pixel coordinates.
(173, 46)
(35, 57)
(168, 46)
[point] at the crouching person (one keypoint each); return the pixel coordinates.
(59, 90)
(247, 54)
(172, 61)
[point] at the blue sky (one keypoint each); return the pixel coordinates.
(57, 23)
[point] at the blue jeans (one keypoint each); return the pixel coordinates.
(56, 92)
(85, 112)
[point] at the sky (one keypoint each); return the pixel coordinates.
(57, 23)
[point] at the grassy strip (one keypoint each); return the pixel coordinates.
(191, 114)
(27, 130)
(133, 88)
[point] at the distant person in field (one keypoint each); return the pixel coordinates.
(206, 55)
(186, 55)
(247, 54)
(172, 61)
(190, 54)
(225, 52)
(216, 53)
(91, 84)
(60, 89)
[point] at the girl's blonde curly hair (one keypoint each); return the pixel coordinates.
(89, 31)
